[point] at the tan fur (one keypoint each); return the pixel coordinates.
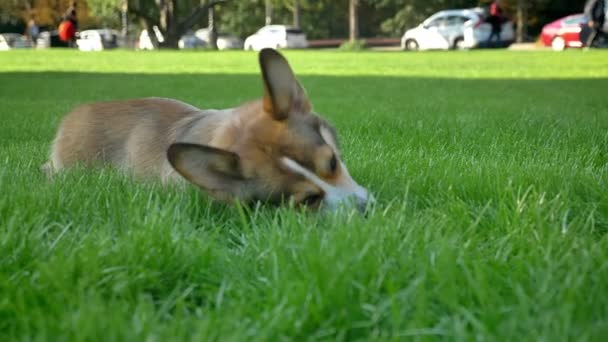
(132, 135)
(232, 153)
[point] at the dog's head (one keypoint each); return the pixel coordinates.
(280, 150)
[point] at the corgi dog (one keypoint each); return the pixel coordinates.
(275, 149)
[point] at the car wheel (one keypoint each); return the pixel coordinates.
(558, 44)
(458, 44)
(411, 45)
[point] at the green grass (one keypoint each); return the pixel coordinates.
(490, 169)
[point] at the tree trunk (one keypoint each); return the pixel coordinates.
(268, 18)
(148, 25)
(522, 21)
(124, 19)
(353, 20)
(212, 29)
(168, 23)
(296, 13)
(171, 28)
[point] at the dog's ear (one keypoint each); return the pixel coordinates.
(283, 94)
(215, 170)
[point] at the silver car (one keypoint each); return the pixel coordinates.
(9, 41)
(98, 40)
(224, 41)
(455, 29)
(276, 37)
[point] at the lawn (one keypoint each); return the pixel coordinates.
(490, 169)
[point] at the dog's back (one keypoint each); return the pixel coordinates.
(129, 134)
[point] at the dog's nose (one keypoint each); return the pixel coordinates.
(364, 200)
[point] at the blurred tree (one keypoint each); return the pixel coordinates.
(318, 18)
(172, 17)
(353, 20)
(295, 7)
(11, 11)
(46, 13)
(325, 19)
(242, 17)
(107, 11)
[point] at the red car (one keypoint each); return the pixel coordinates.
(564, 33)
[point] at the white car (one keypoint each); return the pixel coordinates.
(191, 41)
(455, 29)
(276, 36)
(9, 41)
(224, 41)
(98, 40)
(187, 41)
(145, 43)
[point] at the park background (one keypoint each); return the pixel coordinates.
(320, 19)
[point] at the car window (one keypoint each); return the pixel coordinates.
(579, 19)
(455, 20)
(436, 22)
(294, 31)
(11, 40)
(267, 30)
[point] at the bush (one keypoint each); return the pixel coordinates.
(354, 45)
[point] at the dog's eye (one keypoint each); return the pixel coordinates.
(312, 199)
(333, 164)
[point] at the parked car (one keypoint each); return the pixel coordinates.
(187, 41)
(48, 39)
(9, 41)
(98, 40)
(144, 42)
(455, 29)
(564, 32)
(191, 41)
(276, 36)
(224, 41)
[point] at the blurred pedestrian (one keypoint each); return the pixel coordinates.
(71, 15)
(495, 19)
(595, 11)
(68, 27)
(32, 31)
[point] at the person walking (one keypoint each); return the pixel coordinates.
(68, 27)
(495, 19)
(32, 31)
(595, 11)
